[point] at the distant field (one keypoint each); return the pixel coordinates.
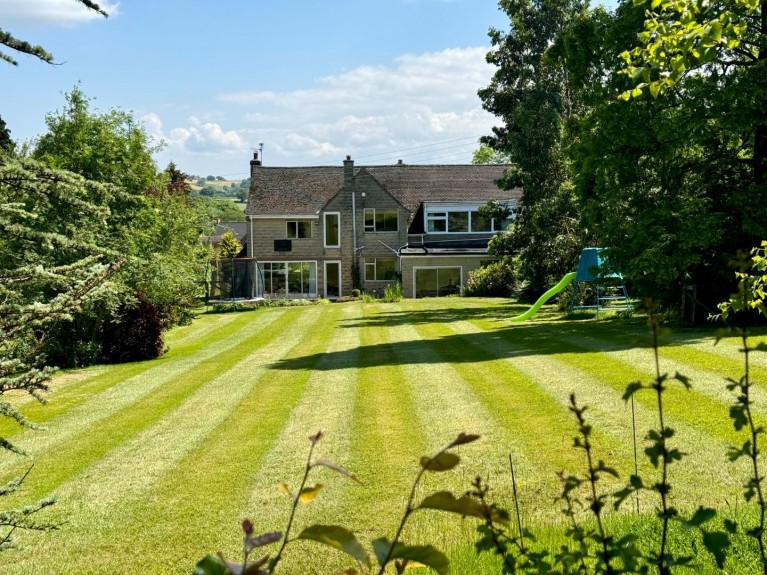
(216, 183)
(156, 463)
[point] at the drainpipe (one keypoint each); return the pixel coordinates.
(354, 222)
(349, 185)
(253, 254)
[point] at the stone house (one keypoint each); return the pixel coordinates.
(320, 231)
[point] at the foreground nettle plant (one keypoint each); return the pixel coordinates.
(387, 552)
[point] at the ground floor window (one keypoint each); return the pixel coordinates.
(287, 279)
(378, 269)
(436, 282)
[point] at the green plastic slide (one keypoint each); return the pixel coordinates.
(545, 297)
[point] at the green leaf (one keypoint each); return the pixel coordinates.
(717, 543)
(211, 565)
(425, 554)
(442, 462)
(309, 493)
(338, 538)
(465, 505)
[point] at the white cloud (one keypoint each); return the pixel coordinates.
(205, 138)
(426, 101)
(421, 109)
(51, 12)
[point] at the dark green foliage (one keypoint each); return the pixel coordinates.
(496, 279)
(532, 92)
(220, 209)
(109, 147)
(51, 268)
(671, 184)
(135, 336)
(6, 143)
(150, 219)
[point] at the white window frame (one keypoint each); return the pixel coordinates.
(259, 282)
(373, 262)
(374, 230)
(325, 277)
(325, 229)
(437, 212)
(435, 216)
(296, 237)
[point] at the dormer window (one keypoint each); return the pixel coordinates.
(460, 219)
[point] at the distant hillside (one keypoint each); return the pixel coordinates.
(217, 187)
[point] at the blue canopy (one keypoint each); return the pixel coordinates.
(592, 260)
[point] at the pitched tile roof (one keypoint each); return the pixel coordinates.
(277, 191)
(412, 185)
(299, 191)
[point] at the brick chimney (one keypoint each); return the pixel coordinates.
(348, 173)
(254, 163)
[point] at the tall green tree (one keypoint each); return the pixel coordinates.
(532, 92)
(51, 268)
(24, 47)
(724, 41)
(153, 221)
(669, 179)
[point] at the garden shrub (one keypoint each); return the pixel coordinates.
(235, 306)
(137, 335)
(496, 279)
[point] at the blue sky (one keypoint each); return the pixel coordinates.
(314, 81)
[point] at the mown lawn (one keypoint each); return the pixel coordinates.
(154, 464)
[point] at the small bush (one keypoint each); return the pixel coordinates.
(230, 307)
(356, 292)
(392, 292)
(496, 279)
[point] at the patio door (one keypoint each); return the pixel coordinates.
(436, 281)
(332, 279)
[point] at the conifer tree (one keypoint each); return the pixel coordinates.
(49, 269)
(5, 136)
(24, 47)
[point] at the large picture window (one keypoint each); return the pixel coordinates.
(299, 230)
(332, 230)
(287, 279)
(380, 269)
(380, 220)
(457, 220)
